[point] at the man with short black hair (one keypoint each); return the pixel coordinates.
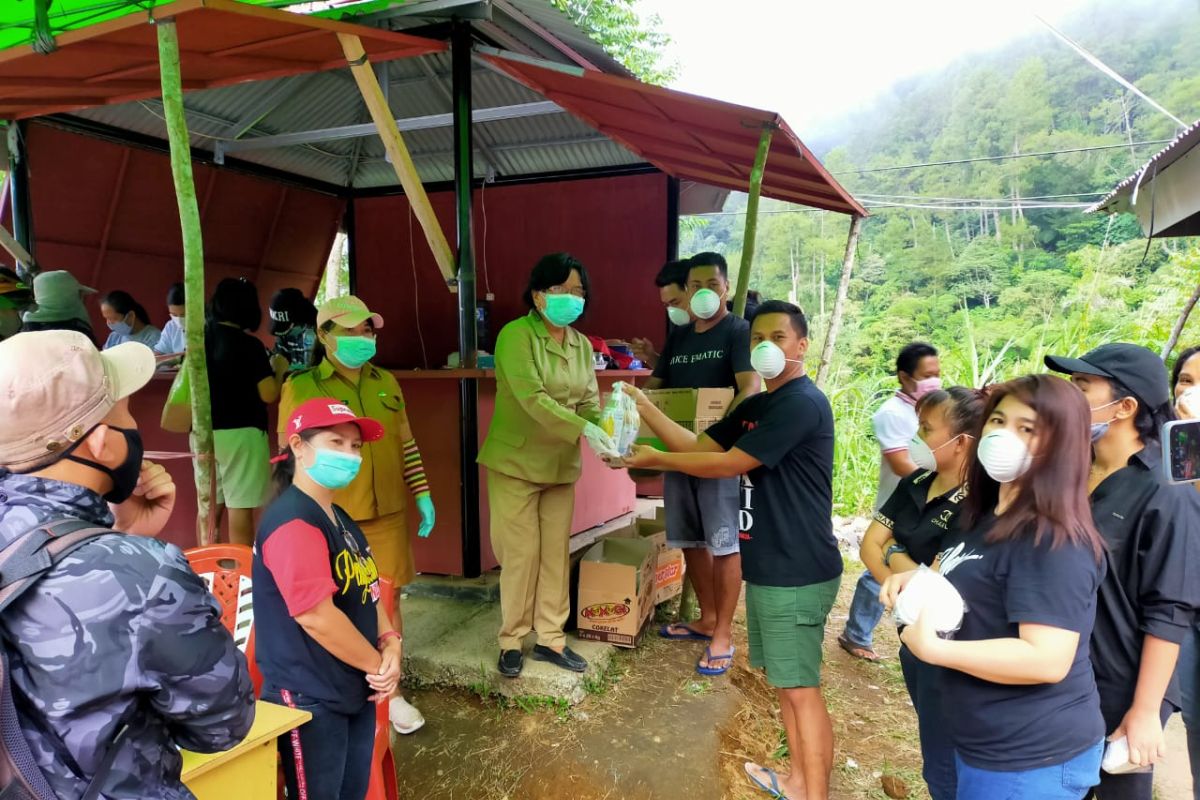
(702, 514)
(918, 372)
(781, 441)
(672, 290)
(120, 634)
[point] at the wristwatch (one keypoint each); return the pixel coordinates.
(891, 551)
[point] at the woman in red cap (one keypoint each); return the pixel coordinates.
(322, 641)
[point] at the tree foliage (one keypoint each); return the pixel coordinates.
(635, 41)
(995, 284)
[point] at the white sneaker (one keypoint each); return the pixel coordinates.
(404, 716)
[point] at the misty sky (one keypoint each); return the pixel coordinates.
(814, 61)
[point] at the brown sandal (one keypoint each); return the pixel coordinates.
(858, 651)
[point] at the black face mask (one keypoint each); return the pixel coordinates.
(125, 476)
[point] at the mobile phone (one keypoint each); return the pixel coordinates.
(1181, 451)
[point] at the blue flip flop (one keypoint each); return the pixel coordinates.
(713, 671)
(691, 635)
(773, 789)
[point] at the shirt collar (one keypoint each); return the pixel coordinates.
(27, 501)
(900, 393)
(539, 328)
(1149, 457)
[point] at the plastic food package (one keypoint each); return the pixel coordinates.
(620, 419)
(1116, 758)
(930, 590)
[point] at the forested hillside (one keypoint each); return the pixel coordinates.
(992, 260)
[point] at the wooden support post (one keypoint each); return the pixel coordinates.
(402, 163)
(839, 305)
(14, 249)
(756, 179)
(193, 273)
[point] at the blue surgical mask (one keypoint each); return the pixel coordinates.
(333, 469)
(1101, 428)
(121, 328)
(563, 309)
(354, 351)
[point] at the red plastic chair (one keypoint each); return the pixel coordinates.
(383, 765)
(225, 568)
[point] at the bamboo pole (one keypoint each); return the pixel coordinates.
(839, 304)
(756, 179)
(402, 163)
(1180, 322)
(193, 272)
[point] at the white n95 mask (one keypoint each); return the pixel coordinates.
(705, 303)
(678, 316)
(1004, 456)
(768, 360)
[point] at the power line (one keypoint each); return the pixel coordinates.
(1109, 71)
(1004, 158)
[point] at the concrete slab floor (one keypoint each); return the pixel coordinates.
(452, 644)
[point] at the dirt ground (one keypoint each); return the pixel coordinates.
(653, 729)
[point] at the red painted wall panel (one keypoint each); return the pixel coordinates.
(107, 213)
(616, 226)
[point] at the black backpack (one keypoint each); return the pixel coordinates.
(22, 563)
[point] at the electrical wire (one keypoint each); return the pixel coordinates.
(1004, 157)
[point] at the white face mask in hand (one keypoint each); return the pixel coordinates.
(1004, 456)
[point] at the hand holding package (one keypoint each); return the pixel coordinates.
(619, 420)
(930, 591)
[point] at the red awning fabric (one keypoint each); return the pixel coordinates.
(222, 42)
(697, 138)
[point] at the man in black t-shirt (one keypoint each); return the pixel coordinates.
(782, 441)
(710, 352)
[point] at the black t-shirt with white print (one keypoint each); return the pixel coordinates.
(785, 524)
(1003, 584)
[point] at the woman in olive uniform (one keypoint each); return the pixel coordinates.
(346, 331)
(546, 396)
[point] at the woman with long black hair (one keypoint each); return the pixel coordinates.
(323, 643)
(1018, 685)
(127, 320)
(909, 529)
(1151, 532)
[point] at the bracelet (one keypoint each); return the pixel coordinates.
(383, 639)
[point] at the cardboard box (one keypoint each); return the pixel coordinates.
(695, 409)
(668, 575)
(616, 590)
(653, 530)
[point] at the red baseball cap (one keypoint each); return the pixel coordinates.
(325, 412)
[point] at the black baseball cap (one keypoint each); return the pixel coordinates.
(290, 307)
(1138, 369)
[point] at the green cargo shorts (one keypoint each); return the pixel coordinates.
(786, 626)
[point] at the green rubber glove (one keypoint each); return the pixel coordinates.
(428, 515)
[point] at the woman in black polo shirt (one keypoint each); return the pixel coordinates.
(908, 530)
(1018, 689)
(322, 641)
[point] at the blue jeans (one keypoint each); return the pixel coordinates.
(1189, 685)
(1067, 781)
(332, 751)
(937, 750)
(865, 611)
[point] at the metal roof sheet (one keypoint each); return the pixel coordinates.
(1119, 198)
(222, 42)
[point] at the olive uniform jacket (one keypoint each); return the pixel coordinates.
(379, 489)
(545, 394)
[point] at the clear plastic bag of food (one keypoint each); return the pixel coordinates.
(619, 418)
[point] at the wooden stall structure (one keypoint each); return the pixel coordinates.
(525, 136)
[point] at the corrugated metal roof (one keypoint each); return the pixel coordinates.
(510, 147)
(1119, 198)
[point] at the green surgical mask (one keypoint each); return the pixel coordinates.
(354, 351)
(563, 309)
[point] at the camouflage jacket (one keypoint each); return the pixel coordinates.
(121, 632)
